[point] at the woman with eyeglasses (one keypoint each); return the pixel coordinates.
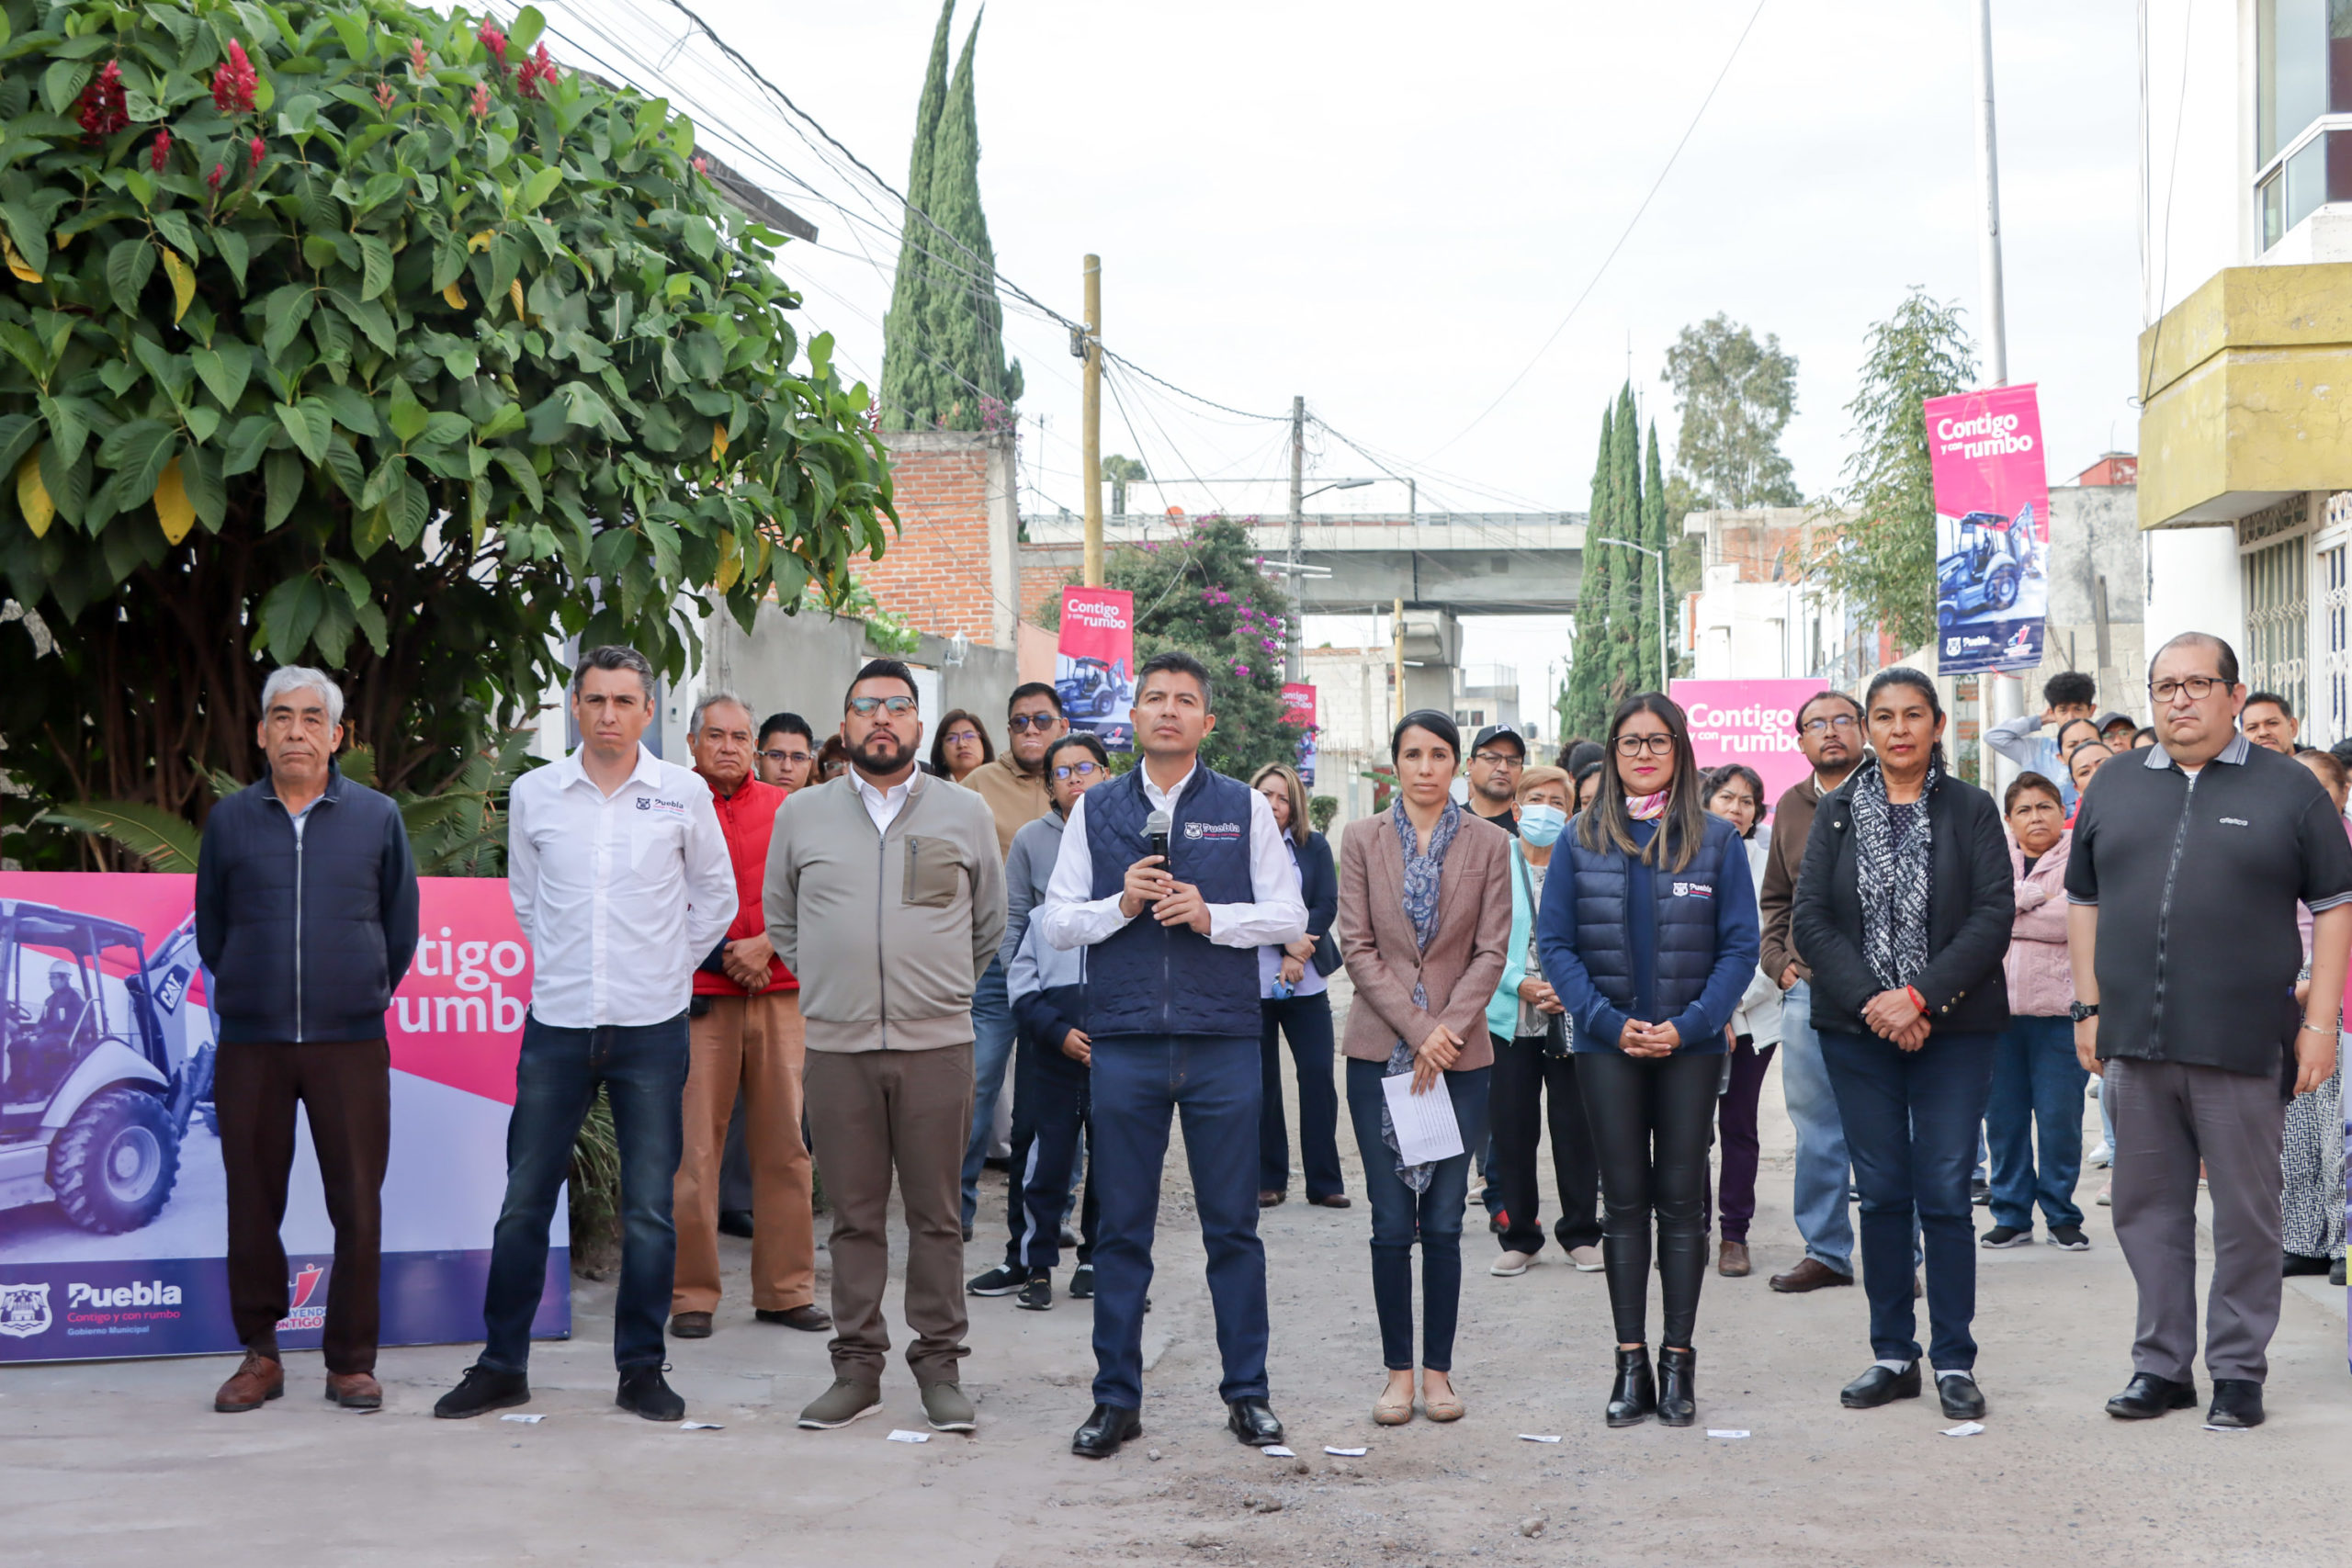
(1424, 917)
(1736, 792)
(961, 746)
(1903, 909)
(1650, 940)
(1293, 1002)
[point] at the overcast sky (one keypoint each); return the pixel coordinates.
(1388, 208)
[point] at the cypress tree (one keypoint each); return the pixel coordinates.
(1654, 535)
(907, 376)
(1633, 617)
(1587, 707)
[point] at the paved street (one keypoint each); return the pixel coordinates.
(124, 1462)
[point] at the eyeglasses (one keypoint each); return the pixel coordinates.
(1080, 770)
(785, 759)
(2197, 688)
(1844, 721)
(897, 707)
(1037, 721)
(1499, 759)
(1634, 745)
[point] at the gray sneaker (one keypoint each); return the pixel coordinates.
(843, 1402)
(948, 1410)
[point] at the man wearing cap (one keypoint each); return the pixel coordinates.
(2116, 729)
(1497, 758)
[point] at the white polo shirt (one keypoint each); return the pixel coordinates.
(620, 896)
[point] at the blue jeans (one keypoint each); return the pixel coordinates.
(643, 1071)
(2037, 1093)
(992, 1033)
(1307, 1021)
(1401, 1216)
(1821, 1162)
(1212, 1081)
(1912, 1121)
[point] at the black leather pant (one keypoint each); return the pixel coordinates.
(1651, 1121)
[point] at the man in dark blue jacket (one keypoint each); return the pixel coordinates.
(1171, 1010)
(306, 920)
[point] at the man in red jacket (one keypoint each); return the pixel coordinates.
(746, 1033)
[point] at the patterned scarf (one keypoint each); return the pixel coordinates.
(1422, 873)
(1646, 808)
(1895, 874)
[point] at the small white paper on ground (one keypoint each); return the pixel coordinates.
(700, 1426)
(1276, 1450)
(2211, 1428)
(1346, 1453)
(902, 1436)
(1426, 1130)
(1965, 1429)
(527, 1420)
(1535, 1438)
(1726, 1431)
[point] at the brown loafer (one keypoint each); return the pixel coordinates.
(1730, 1258)
(810, 1319)
(1812, 1274)
(1332, 1200)
(256, 1378)
(1267, 1200)
(355, 1391)
(690, 1325)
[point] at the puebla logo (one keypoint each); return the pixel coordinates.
(24, 1310)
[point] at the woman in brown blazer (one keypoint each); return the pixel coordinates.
(1424, 922)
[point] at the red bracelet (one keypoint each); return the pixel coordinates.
(1916, 999)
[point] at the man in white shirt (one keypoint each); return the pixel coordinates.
(1171, 1009)
(621, 884)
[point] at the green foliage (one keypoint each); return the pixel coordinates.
(942, 344)
(1884, 560)
(1735, 396)
(1584, 706)
(1618, 610)
(415, 366)
(1320, 809)
(1122, 471)
(888, 630)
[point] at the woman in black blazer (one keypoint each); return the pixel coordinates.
(1292, 1001)
(1903, 911)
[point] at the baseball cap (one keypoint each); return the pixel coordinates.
(1494, 732)
(2110, 718)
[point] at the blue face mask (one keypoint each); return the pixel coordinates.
(1541, 825)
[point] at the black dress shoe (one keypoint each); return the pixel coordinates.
(1635, 1398)
(2147, 1397)
(483, 1389)
(1253, 1422)
(2237, 1402)
(735, 1222)
(1961, 1399)
(1101, 1433)
(1877, 1386)
(809, 1319)
(647, 1393)
(1677, 1394)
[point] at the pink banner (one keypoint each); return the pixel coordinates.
(1754, 722)
(1094, 664)
(1299, 708)
(1992, 529)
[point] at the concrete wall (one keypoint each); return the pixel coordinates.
(2095, 533)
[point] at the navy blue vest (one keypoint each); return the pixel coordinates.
(1146, 978)
(1683, 924)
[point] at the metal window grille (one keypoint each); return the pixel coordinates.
(2277, 620)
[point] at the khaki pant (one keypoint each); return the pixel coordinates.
(754, 1042)
(872, 1111)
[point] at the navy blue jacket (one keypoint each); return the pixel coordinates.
(1683, 955)
(1319, 888)
(305, 940)
(1146, 978)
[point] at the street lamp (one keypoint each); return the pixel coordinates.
(1664, 670)
(1294, 658)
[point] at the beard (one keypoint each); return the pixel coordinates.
(883, 753)
(1498, 789)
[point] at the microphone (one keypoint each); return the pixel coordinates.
(1155, 829)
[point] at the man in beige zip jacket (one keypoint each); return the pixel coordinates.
(884, 894)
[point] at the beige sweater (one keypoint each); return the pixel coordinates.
(887, 931)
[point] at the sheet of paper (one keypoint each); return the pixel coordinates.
(906, 1437)
(1965, 1429)
(1726, 1431)
(1532, 1437)
(526, 1420)
(700, 1426)
(1346, 1453)
(1426, 1130)
(1276, 1450)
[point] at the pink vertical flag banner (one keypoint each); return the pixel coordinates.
(1992, 529)
(1094, 663)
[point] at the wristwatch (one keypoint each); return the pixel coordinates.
(2081, 1010)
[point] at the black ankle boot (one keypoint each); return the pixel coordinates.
(1636, 1395)
(1677, 1394)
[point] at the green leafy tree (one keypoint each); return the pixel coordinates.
(1121, 472)
(942, 345)
(1735, 396)
(1656, 534)
(1884, 559)
(354, 335)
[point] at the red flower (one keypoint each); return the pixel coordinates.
(213, 179)
(494, 42)
(104, 109)
(232, 84)
(258, 149)
(536, 70)
(385, 96)
(416, 55)
(481, 99)
(702, 165)
(163, 151)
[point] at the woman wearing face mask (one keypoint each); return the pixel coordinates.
(1650, 938)
(1424, 917)
(1535, 1079)
(1736, 794)
(1903, 908)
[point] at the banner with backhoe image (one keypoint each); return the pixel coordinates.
(113, 1218)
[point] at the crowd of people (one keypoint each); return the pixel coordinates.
(773, 975)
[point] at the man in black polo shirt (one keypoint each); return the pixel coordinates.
(2186, 869)
(1498, 757)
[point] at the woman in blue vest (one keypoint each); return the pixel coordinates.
(1650, 941)
(1424, 923)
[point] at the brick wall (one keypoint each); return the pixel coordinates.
(1042, 576)
(947, 570)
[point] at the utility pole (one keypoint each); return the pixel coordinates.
(1294, 660)
(2003, 695)
(1397, 651)
(1089, 465)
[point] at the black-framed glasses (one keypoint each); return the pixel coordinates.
(1080, 770)
(1634, 745)
(1499, 759)
(1037, 721)
(1843, 722)
(785, 759)
(2197, 687)
(897, 707)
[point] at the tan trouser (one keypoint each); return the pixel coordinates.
(757, 1042)
(872, 1111)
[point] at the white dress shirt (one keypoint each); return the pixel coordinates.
(1068, 917)
(883, 804)
(619, 896)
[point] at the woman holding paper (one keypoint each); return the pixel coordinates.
(1650, 941)
(1424, 922)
